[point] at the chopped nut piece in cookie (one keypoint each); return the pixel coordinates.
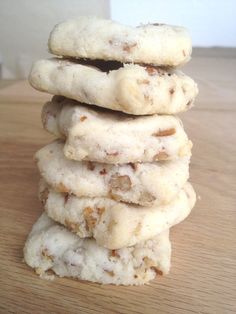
(39, 270)
(103, 171)
(171, 91)
(161, 156)
(146, 197)
(144, 81)
(82, 118)
(134, 165)
(128, 46)
(166, 132)
(111, 225)
(122, 183)
(114, 253)
(112, 154)
(157, 271)
(100, 211)
(138, 228)
(148, 261)
(147, 97)
(110, 273)
(89, 219)
(90, 165)
(151, 70)
(72, 226)
(46, 255)
(45, 118)
(44, 196)
(66, 197)
(62, 188)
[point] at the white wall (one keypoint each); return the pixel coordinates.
(25, 27)
(25, 24)
(211, 22)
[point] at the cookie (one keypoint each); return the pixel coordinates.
(132, 88)
(139, 183)
(94, 38)
(50, 246)
(112, 137)
(115, 224)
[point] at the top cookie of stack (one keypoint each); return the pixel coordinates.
(118, 67)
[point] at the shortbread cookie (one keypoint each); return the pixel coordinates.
(132, 89)
(113, 137)
(115, 224)
(52, 247)
(95, 38)
(139, 183)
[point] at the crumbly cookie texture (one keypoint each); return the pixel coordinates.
(112, 137)
(52, 247)
(95, 38)
(139, 183)
(132, 89)
(115, 224)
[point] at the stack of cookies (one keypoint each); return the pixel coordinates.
(115, 180)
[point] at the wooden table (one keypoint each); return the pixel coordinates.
(203, 273)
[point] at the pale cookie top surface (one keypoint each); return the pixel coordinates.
(95, 38)
(50, 246)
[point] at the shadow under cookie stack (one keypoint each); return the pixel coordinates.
(116, 179)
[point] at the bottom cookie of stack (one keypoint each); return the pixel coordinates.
(51, 246)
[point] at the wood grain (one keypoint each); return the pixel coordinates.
(203, 273)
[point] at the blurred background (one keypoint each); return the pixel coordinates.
(25, 24)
